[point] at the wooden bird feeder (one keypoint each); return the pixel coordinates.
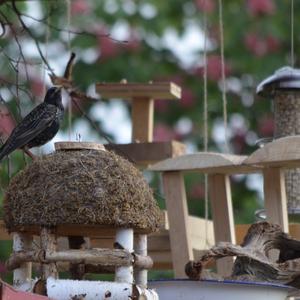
(81, 190)
(143, 150)
(271, 161)
(284, 89)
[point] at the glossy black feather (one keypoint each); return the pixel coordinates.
(38, 127)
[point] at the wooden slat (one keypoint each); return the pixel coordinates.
(78, 146)
(205, 162)
(220, 198)
(75, 230)
(275, 197)
(142, 114)
(283, 152)
(157, 90)
(148, 153)
(180, 238)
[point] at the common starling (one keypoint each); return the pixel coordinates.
(39, 126)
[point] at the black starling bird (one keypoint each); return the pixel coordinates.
(38, 127)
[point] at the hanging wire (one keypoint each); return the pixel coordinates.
(68, 4)
(292, 35)
(224, 98)
(205, 122)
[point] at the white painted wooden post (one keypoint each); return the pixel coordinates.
(140, 247)
(124, 238)
(22, 275)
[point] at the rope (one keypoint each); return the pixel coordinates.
(224, 99)
(68, 4)
(292, 35)
(205, 123)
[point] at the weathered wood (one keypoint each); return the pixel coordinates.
(275, 197)
(252, 260)
(283, 152)
(78, 146)
(103, 257)
(124, 240)
(22, 274)
(221, 204)
(142, 114)
(148, 153)
(206, 162)
(156, 90)
(180, 237)
(48, 244)
(75, 230)
(141, 248)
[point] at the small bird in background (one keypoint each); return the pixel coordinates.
(38, 127)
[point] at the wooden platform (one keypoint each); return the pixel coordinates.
(148, 153)
(129, 90)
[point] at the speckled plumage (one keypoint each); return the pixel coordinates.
(38, 127)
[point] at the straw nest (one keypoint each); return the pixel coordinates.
(81, 187)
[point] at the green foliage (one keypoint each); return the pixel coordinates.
(256, 44)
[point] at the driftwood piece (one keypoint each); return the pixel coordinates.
(252, 257)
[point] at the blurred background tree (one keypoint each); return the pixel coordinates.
(149, 41)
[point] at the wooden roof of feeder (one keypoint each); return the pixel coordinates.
(80, 186)
(283, 79)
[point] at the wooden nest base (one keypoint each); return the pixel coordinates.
(252, 257)
(87, 187)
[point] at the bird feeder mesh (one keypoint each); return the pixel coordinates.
(287, 122)
(81, 187)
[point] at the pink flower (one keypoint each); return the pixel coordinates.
(163, 132)
(214, 68)
(255, 44)
(37, 87)
(108, 47)
(206, 5)
(134, 42)
(273, 44)
(260, 45)
(187, 98)
(7, 122)
(260, 7)
(80, 7)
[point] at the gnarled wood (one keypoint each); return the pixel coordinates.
(252, 256)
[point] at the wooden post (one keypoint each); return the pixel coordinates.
(48, 243)
(220, 197)
(275, 197)
(22, 275)
(142, 119)
(140, 247)
(177, 209)
(124, 239)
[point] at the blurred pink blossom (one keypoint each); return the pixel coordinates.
(206, 5)
(259, 45)
(163, 133)
(187, 98)
(7, 122)
(261, 7)
(214, 68)
(37, 87)
(80, 7)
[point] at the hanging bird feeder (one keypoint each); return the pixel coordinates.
(284, 88)
(81, 190)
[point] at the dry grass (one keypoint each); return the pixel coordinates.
(81, 187)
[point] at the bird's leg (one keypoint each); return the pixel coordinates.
(32, 156)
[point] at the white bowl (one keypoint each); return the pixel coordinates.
(179, 289)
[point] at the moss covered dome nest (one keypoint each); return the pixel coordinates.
(81, 187)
